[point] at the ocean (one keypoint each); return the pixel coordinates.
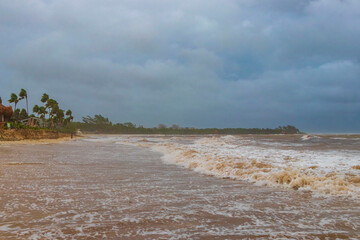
(182, 187)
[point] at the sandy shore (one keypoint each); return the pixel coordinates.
(38, 141)
(30, 136)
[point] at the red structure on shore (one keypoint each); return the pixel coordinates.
(5, 114)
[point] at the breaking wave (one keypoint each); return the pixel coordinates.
(326, 172)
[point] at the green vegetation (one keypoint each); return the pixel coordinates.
(17, 125)
(100, 124)
(14, 99)
(22, 95)
(96, 120)
(50, 115)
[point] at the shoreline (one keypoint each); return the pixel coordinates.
(39, 141)
(347, 136)
(31, 136)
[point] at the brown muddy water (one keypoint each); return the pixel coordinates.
(125, 187)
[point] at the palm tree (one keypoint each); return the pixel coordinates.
(42, 111)
(52, 105)
(36, 109)
(14, 99)
(22, 95)
(69, 116)
(69, 113)
(59, 117)
(44, 98)
(48, 103)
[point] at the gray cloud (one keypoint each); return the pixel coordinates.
(196, 63)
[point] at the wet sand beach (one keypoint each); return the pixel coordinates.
(106, 188)
(37, 141)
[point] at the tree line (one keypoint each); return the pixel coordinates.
(101, 124)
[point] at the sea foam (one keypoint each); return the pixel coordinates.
(322, 171)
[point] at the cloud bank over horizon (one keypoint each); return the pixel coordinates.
(195, 63)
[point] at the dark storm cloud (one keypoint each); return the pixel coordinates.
(203, 63)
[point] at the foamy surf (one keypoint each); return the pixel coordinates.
(322, 171)
(102, 190)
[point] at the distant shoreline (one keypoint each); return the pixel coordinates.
(330, 135)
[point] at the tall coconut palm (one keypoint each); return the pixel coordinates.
(52, 105)
(45, 99)
(22, 95)
(54, 108)
(14, 99)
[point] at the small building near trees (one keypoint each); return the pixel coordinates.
(5, 114)
(34, 122)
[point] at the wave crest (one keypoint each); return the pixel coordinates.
(232, 157)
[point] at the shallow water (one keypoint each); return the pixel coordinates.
(103, 188)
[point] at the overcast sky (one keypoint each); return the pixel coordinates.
(201, 63)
